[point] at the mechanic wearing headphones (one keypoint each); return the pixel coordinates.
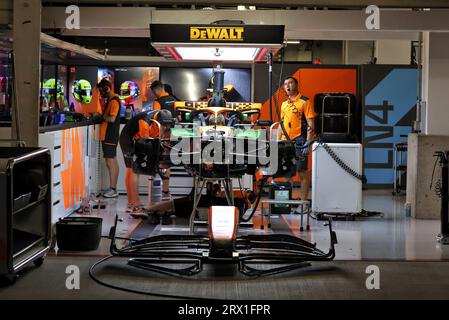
(140, 126)
(298, 119)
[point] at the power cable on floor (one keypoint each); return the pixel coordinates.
(112, 286)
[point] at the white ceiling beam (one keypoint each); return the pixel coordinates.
(294, 3)
(321, 20)
(114, 18)
(59, 44)
(353, 35)
(299, 24)
(107, 32)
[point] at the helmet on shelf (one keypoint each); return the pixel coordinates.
(51, 86)
(129, 91)
(82, 91)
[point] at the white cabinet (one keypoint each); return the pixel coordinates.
(333, 189)
(70, 168)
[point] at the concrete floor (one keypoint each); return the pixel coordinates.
(396, 244)
(391, 237)
(322, 281)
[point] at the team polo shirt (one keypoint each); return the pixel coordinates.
(165, 101)
(147, 130)
(141, 126)
(292, 113)
(110, 131)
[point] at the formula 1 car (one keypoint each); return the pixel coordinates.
(218, 140)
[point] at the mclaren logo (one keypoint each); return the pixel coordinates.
(217, 33)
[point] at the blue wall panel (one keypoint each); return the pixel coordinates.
(389, 99)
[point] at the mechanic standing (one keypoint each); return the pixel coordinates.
(298, 119)
(164, 101)
(140, 126)
(109, 134)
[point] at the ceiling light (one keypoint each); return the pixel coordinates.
(222, 54)
(292, 42)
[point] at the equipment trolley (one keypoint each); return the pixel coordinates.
(25, 208)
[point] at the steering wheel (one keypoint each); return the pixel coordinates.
(206, 114)
(231, 116)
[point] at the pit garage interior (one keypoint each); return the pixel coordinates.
(378, 197)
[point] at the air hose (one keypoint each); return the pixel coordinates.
(276, 100)
(276, 105)
(340, 162)
(256, 203)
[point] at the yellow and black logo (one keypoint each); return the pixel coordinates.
(217, 33)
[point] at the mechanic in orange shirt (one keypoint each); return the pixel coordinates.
(142, 125)
(298, 119)
(164, 101)
(109, 134)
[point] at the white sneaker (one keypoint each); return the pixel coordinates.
(111, 193)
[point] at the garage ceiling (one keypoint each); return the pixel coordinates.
(269, 3)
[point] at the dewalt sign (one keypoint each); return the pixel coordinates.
(217, 33)
(171, 34)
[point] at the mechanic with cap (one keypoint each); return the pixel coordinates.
(143, 125)
(298, 120)
(109, 134)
